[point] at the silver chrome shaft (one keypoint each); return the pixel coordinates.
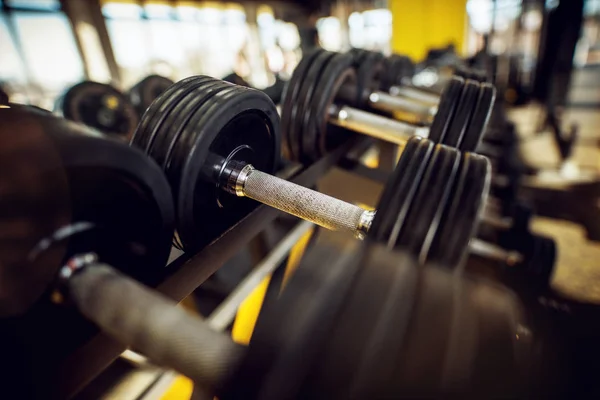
(489, 250)
(310, 205)
(386, 102)
(415, 94)
(374, 125)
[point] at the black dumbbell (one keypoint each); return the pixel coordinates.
(374, 324)
(218, 143)
(324, 82)
(367, 316)
(69, 190)
(143, 93)
(99, 106)
(409, 308)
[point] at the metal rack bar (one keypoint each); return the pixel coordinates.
(190, 271)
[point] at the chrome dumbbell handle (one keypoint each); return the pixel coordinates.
(494, 252)
(415, 94)
(386, 102)
(374, 125)
(310, 205)
(141, 318)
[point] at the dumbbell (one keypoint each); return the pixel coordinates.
(99, 106)
(399, 70)
(323, 82)
(143, 93)
(64, 188)
(470, 331)
(534, 256)
(414, 331)
(219, 143)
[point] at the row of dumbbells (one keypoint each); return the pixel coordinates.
(216, 145)
(107, 212)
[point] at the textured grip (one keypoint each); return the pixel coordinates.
(152, 324)
(318, 208)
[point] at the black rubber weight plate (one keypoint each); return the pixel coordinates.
(480, 118)
(338, 72)
(169, 131)
(182, 144)
(144, 133)
(462, 117)
(394, 207)
(99, 106)
(312, 315)
(462, 214)
(448, 102)
(302, 103)
(368, 73)
(232, 118)
(147, 90)
(288, 337)
(368, 335)
(386, 200)
(305, 131)
(290, 96)
(430, 201)
(399, 274)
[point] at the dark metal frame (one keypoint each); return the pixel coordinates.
(190, 271)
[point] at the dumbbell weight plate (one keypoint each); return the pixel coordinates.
(406, 68)
(480, 117)
(233, 118)
(99, 106)
(305, 131)
(460, 218)
(369, 68)
(448, 103)
(146, 91)
(303, 101)
(382, 298)
(310, 328)
(161, 117)
(185, 140)
(400, 190)
(289, 99)
(288, 337)
(119, 190)
(181, 111)
(327, 137)
(146, 131)
(462, 117)
(428, 205)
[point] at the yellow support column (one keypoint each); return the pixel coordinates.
(418, 25)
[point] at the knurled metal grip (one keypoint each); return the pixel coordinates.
(318, 208)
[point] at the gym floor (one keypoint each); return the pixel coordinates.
(577, 273)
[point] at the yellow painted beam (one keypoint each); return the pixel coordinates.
(418, 25)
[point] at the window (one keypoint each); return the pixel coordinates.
(41, 5)
(39, 55)
(49, 49)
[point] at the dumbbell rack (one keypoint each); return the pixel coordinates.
(182, 276)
